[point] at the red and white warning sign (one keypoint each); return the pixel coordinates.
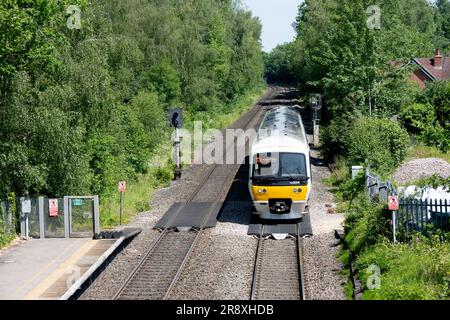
(53, 207)
(122, 186)
(393, 203)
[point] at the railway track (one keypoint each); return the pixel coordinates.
(278, 273)
(158, 271)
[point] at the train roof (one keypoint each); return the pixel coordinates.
(282, 128)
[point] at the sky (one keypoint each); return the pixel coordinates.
(277, 17)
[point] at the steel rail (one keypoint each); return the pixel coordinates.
(300, 265)
(257, 265)
(165, 231)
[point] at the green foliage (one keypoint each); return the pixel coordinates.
(430, 118)
(82, 109)
(279, 65)
(438, 137)
(417, 117)
(418, 150)
(333, 137)
(413, 271)
(365, 224)
(166, 81)
(434, 181)
(381, 143)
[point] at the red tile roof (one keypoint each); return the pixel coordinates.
(434, 73)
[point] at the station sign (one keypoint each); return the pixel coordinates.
(25, 205)
(393, 203)
(53, 207)
(122, 186)
(77, 202)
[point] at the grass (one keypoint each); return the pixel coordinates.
(417, 269)
(6, 239)
(409, 271)
(138, 196)
(419, 151)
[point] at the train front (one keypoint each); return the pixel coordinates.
(280, 184)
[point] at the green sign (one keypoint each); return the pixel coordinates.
(77, 202)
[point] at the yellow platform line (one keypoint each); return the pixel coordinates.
(43, 269)
(60, 271)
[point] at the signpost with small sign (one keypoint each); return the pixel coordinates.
(394, 206)
(53, 207)
(122, 189)
(25, 205)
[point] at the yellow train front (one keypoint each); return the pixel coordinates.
(280, 171)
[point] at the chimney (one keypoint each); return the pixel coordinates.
(438, 59)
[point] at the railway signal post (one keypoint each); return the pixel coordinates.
(316, 106)
(176, 121)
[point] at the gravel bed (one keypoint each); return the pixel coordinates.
(320, 203)
(115, 274)
(111, 279)
(420, 168)
(220, 267)
(321, 268)
(320, 263)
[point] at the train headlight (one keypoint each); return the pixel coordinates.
(299, 190)
(262, 191)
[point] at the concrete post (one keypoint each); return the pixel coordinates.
(41, 217)
(316, 134)
(66, 217)
(96, 215)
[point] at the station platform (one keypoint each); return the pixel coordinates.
(54, 269)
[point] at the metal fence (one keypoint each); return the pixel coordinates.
(377, 189)
(413, 214)
(76, 216)
(418, 215)
(7, 219)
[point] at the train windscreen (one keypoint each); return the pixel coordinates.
(280, 165)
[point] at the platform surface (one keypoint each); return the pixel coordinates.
(46, 269)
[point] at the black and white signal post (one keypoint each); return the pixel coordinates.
(316, 106)
(176, 121)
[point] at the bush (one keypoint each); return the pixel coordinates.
(438, 137)
(416, 271)
(437, 93)
(333, 138)
(365, 224)
(417, 117)
(382, 143)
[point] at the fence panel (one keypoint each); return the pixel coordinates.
(417, 215)
(7, 219)
(377, 189)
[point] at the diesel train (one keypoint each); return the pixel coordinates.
(280, 170)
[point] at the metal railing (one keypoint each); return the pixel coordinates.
(419, 215)
(7, 219)
(377, 189)
(413, 214)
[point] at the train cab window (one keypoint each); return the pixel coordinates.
(266, 164)
(279, 165)
(293, 164)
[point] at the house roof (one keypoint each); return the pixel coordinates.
(427, 66)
